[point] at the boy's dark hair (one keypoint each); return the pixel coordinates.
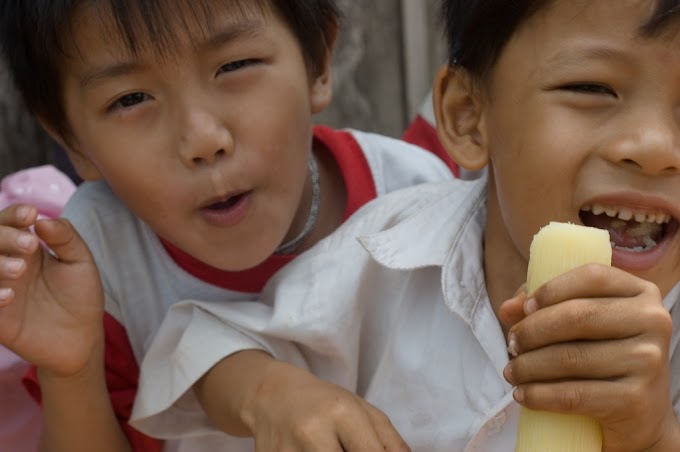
(33, 33)
(478, 30)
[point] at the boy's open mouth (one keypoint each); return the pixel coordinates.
(225, 204)
(630, 230)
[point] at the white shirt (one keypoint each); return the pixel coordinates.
(401, 317)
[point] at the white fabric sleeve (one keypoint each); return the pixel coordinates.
(673, 306)
(191, 340)
(675, 363)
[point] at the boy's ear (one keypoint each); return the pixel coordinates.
(458, 108)
(322, 87)
(81, 163)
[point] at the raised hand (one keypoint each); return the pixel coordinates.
(50, 307)
(595, 341)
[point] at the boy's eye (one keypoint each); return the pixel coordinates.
(129, 100)
(589, 88)
(236, 65)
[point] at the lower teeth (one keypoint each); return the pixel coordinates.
(648, 245)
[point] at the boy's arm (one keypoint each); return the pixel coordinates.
(122, 375)
(286, 408)
(77, 412)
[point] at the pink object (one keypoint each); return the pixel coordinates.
(45, 187)
(48, 189)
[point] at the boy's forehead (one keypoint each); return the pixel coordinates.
(161, 27)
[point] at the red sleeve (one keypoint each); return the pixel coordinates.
(423, 134)
(122, 375)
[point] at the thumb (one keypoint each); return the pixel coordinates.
(512, 310)
(61, 237)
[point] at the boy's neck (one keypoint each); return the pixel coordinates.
(333, 197)
(504, 269)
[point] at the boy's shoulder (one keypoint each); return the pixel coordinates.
(390, 163)
(94, 192)
(103, 220)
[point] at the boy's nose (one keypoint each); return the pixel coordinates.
(650, 144)
(203, 139)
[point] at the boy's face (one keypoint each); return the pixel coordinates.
(581, 123)
(209, 145)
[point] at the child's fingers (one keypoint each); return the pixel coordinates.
(585, 360)
(606, 401)
(586, 397)
(6, 296)
(359, 432)
(587, 281)
(388, 436)
(590, 319)
(18, 216)
(60, 236)
(512, 310)
(11, 268)
(17, 242)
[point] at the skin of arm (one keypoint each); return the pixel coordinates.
(79, 403)
(286, 408)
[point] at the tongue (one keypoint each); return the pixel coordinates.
(625, 234)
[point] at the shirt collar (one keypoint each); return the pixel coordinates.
(449, 233)
(428, 236)
(446, 233)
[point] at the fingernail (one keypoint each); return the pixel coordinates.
(530, 306)
(6, 293)
(14, 265)
(507, 373)
(25, 241)
(23, 213)
(512, 345)
(518, 395)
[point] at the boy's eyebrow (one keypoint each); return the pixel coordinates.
(104, 72)
(232, 32)
(569, 57)
(227, 34)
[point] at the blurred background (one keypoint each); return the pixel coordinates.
(386, 56)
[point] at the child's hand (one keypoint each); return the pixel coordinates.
(50, 309)
(295, 411)
(595, 342)
(512, 309)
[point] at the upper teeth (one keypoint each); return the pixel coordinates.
(627, 214)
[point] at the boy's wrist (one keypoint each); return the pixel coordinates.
(91, 367)
(258, 393)
(671, 440)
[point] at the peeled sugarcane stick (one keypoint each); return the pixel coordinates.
(555, 249)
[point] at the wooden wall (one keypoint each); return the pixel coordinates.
(385, 60)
